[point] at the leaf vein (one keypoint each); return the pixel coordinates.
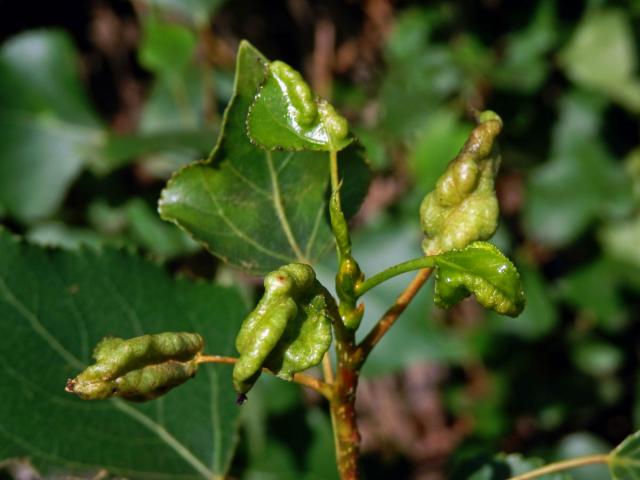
(279, 208)
(235, 229)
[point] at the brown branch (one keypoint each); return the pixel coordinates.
(323, 388)
(391, 315)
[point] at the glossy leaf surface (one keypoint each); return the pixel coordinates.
(286, 115)
(54, 307)
(254, 208)
(48, 129)
(463, 206)
(482, 270)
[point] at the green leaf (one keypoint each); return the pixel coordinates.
(581, 182)
(121, 149)
(48, 129)
(285, 115)
(166, 48)
(174, 129)
(597, 358)
(620, 240)
(593, 290)
(57, 234)
(198, 11)
(624, 460)
(420, 76)
(524, 67)
(437, 143)
(257, 209)
(419, 336)
(503, 467)
(463, 206)
(581, 444)
(540, 314)
(602, 55)
(54, 307)
(482, 270)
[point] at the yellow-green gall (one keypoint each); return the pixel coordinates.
(288, 331)
(336, 125)
(463, 207)
(140, 368)
(304, 109)
(286, 114)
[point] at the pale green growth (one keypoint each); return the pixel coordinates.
(288, 331)
(140, 368)
(482, 270)
(285, 114)
(335, 124)
(463, 207)
(339, 224)
(303, 107)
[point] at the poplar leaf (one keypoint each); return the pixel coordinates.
(55, 305)
(287, 115)
(258, 209)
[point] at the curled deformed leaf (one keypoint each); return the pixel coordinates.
(139, 369)
(288, 331)
(285, 114)
(463, 207)
(482, 270)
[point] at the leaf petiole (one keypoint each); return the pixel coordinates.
(408, 266)
(338, 221)
(560, 466)
(391, 315)
(323, 388)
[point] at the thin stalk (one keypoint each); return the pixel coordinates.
(408, 266)
(339, 224)
(560, 466)
(327, 369)
(343, 415)
(342, 403)
(391, 315)
(335, 178)
(308, 381)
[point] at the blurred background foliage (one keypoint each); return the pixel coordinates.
(101, 100)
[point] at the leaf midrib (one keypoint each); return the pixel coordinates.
(279, 208)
